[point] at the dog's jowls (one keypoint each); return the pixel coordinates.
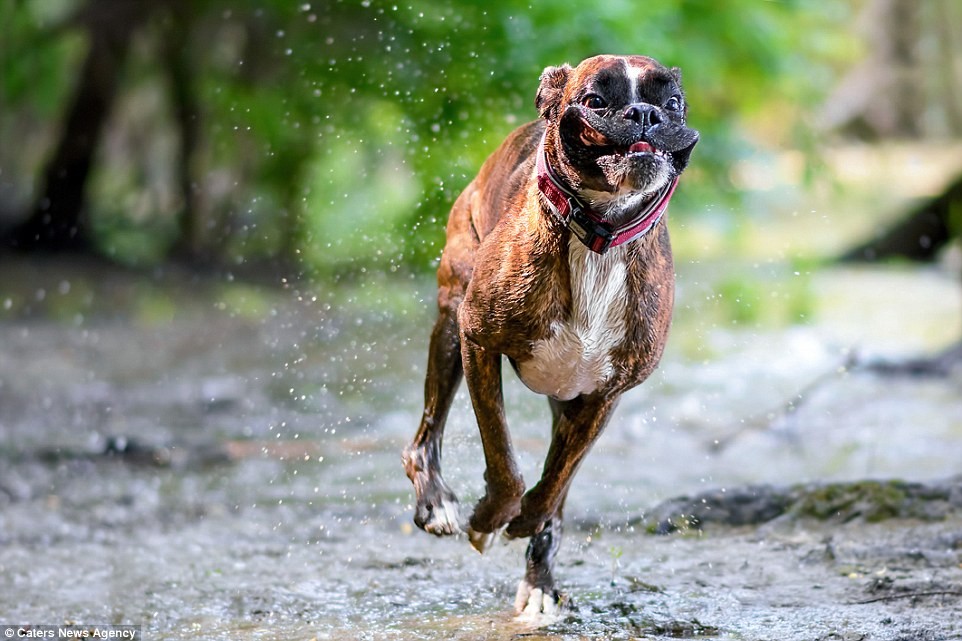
(563, 265)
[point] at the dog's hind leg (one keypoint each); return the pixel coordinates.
(537, 594)
(579, 423)
(437, 509)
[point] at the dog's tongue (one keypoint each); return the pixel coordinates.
(641, 146)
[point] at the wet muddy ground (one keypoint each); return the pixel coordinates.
(218, 461)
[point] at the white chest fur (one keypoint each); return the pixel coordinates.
(575, 358)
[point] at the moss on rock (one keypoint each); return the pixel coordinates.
(871, 501)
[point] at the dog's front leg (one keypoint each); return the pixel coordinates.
(582, 421)
(437, 509)
(504, 485)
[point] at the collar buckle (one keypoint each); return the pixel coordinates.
(595, 235)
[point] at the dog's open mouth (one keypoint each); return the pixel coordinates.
(642, 147)
(637, 150)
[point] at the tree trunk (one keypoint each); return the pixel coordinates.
(879, 98)
(919, 234)
(56, 222)
(178, 64)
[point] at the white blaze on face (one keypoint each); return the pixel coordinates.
(634, 80)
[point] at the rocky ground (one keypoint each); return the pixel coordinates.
(224, 464)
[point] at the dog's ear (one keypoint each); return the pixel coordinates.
(550, 90)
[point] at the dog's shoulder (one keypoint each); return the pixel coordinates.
(517, 149)
(505, 176)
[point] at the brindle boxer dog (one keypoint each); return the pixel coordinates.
(557, 257)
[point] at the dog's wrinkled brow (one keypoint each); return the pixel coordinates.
(614, 84)
(656, 84)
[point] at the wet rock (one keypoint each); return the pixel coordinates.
(843, 636)
(180, 455)
(135, 452)
(745, 506)
(886, 588)
(638, 585)
(868, 501)
(620, 619)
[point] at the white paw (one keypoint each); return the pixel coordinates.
(536, 605)
(445, 519)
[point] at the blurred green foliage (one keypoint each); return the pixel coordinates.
(337, 134)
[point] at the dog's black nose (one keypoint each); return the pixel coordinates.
(644, 114)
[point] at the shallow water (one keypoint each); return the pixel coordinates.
(224, 463)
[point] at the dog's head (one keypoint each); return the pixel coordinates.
(616, 125)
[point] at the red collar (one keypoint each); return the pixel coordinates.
(588, 225)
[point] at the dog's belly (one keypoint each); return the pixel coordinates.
(575, 358)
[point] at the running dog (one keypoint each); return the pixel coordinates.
(558, 258)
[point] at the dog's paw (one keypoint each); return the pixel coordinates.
(524, 526)
(482, 541)
(491, 514)
(441, 517)
(437, 511)
(538, 604)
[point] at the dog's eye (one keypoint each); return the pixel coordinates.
(673, 104)
(594, 101)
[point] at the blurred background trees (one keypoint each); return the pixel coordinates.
(907, 87)
(332, 136)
